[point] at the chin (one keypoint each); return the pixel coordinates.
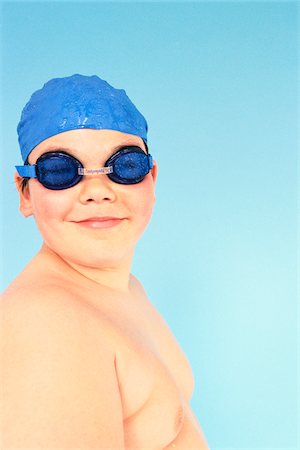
(101, 262)
(96, 256)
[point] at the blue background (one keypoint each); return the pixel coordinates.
(218, 85)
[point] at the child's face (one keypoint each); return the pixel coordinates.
(62, 215)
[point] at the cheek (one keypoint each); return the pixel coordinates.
(141, 204)
(49, 206)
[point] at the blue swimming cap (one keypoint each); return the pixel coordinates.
(73, 103)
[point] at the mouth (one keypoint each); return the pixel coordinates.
(100, 222)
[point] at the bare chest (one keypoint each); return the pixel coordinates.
(155, 379)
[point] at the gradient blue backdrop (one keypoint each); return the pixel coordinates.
(218, 85)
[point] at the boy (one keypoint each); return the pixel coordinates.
(87, 361)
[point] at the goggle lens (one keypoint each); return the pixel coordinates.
(58, 171)
(129, 168)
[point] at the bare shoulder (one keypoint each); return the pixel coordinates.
(137, 285)
(55, 394)
(46, 304)
(38, 310)
(50, 323)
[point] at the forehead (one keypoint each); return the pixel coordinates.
(86, 143)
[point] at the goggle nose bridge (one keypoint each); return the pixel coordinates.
(100, 171)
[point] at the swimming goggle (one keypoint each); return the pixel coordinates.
(59, 170)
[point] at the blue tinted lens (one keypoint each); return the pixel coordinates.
(58, 170)
(130, 166)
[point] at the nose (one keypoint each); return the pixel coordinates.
(96, 188)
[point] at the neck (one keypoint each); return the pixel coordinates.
(114, 277)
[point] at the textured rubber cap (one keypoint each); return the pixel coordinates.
(77, 102)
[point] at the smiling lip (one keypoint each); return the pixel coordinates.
(100, 222)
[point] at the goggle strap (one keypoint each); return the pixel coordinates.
(150, 162)
(102, 170)
(26, 171)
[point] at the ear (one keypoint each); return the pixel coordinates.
(154, 171)
(24, 194)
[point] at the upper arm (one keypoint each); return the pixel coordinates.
(53, 395)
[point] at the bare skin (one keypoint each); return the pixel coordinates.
(87, 361)
(153, 385)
